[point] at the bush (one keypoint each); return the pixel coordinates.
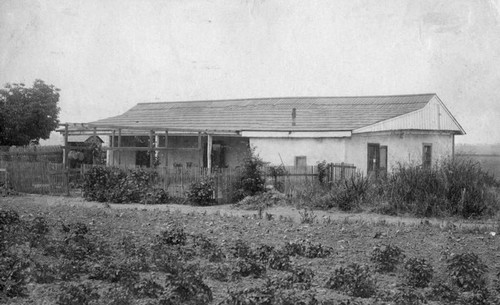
(8, 217)
(307, 249)
(355, 280)
(453, 187)
(408, 296)
(109, 184)
(202, 192)
(251, 180)
(443, 292)
(250, 296)
(13, 274)
(155, 196)
(386, 257)
(419, 272)
(248, 267)
(467, 271)
(77, 294)
(186, 288)
(349, 193)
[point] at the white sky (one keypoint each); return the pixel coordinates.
(107, 55)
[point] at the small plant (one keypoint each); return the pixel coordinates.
(476, 297)
(173, 235)
(240, 249)
(467, 271)
(114, 272)
(147, 288)
(202, 192)
(250, 296)
(443, 291)
(13, 277)
(307, 217)
(185, 288)
(419, 272)
(8, 217)
(307, 249)
(278, 260)
(118, 295)
(349, 193)
(155, 196)
(355, 280)
(77, 294)
(296, 278)
(386, 257)
(408, 296)
(251, 180)
(248, 267)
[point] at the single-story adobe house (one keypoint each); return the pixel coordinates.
(374, 133)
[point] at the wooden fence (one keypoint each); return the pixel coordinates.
(53, 178)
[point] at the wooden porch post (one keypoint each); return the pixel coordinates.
(95, 138)
(166, 146)
(119, 145)
(112, 152)
(200, 152)
(151, 151)
(209, 151)
(66, 148)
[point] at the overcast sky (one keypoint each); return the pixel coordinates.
(106, 55)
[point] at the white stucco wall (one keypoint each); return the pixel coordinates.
(315, 149)
(403, 147)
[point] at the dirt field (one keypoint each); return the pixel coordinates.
(351, 238)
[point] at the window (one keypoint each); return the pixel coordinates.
(300, 161)
(427, 155)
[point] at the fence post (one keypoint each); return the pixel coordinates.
(342, 171)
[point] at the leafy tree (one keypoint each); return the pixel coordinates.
(28, 114)
(251, 180)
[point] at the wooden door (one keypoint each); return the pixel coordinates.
(373, 156)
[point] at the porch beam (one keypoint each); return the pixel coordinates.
(112, 152)
(134, 148)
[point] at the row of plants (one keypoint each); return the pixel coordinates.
(173, 267)
(450, 188)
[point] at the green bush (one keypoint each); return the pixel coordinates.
(419, 272)
(77, 294)
(386, 257)
(452, 187)
(251, 180)
(202, 192)
(110, 184)
(349, 193)
(355, 280)
(467, 271)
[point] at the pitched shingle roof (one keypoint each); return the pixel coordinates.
(270, 114)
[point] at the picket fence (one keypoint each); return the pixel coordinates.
(53, 178)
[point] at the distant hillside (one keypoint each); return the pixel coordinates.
(478, 149)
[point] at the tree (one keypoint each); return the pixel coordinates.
(28, 114)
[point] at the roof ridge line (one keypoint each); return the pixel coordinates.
(287, 97)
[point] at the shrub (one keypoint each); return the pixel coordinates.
(13, 274)
(77, 294)
(386, 257)
(8, 217)
(173, 235)
(307, 217)
(109, 184)
(443, 292)
(202, 192)
(307, 249)
(355, 280)
(45, 274)
(155, 196)
(419, 272)
(251, 180)
(278, 260)
(114, 272)
(248, 267)
(147, 288)
(452, 187)
(296, 278)
(292, 297)
(240, 249)
(250, 296)
(467, 271)
(186, 288)
(349, 193)
(408, 296)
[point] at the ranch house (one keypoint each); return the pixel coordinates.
(373, 133)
